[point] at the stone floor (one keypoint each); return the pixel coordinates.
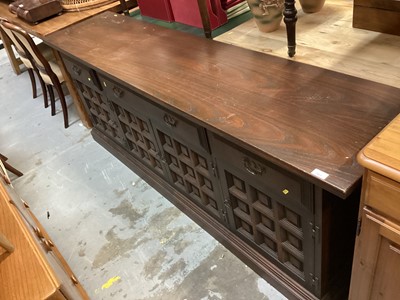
(122, 239)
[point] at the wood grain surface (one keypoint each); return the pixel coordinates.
(55, 23)
(23, 273)
(382, 154)
(297, 116)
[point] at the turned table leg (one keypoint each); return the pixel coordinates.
(290, 18)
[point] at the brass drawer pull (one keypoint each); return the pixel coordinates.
(395, 249)
(253, 167)
(169, 120)
(74, 280)
(76, 70)
(117, 92)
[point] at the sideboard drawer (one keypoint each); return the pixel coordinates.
(162, 119)
(82, 73)
(382, 195)
(277, 181)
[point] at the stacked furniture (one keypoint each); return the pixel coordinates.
(260, 151)
(31, 266)
(376, 266)
(187, 11)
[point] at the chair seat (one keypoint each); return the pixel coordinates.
(56, 69)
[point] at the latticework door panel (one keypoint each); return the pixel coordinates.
(191, 172)
(100, 112)
(140, 138)
(265, 220)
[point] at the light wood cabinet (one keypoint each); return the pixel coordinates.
(376, 264)
(32, 268)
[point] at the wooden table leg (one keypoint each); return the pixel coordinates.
(290, 18)
(73, 92)
(15, 62)
(205, 18)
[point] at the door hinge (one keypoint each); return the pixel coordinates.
(214, 170)
(314, 281)
(358, 230)
(315, 232)
(228, 203)
(224, 215)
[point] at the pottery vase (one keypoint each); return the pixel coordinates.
(311, 6)
(267, 13)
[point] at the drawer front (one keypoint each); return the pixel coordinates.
(82, 73)
(172, 123)
(277, 181)
(383, 195)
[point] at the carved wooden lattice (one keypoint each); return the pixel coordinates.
(271, 225)
(100, 112)
(140, 138)
(190, 172)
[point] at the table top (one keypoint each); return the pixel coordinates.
(382, 154)
(55, 23)
(308, 120)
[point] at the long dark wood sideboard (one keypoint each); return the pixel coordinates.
(260, 151)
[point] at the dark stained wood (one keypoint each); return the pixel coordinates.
(296, 116)
(239, 247)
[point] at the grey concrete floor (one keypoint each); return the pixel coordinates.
(121, 238)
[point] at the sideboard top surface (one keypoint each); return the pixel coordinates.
(300, 117)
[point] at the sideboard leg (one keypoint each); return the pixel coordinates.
(290, 18)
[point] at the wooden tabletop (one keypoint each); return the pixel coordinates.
(302, 118)
(55, 23)
(382, 154)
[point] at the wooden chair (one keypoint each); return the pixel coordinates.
(49, 71)
(8, 167)
(26, 59)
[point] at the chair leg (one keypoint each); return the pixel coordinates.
(9, 167)
(44, 90)
(45, 99)
(63, 103)
(33, 82)
(52, 100)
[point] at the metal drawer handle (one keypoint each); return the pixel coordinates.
(253, 167)
(170, 121)
(76, 70)
(117, 92)
(74, 280)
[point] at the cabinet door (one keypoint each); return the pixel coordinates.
(187, 156)
(269, 208)
(94, 100)
(130, 110)
(376, 265)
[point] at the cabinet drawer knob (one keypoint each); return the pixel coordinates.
(117, 92)
(253, 167)
(169, 120)
(76, 70)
